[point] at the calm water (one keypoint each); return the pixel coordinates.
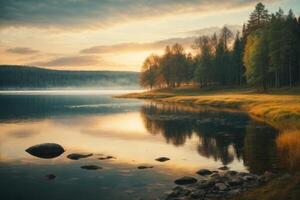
(134, 131)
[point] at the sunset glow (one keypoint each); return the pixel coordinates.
(118, 35)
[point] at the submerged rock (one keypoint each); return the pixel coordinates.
(224, 168)
(91, 167)
(204, 172)
(107, 158)
(46, 150)
(144, 167)
(50, 176)
(77, 156)
(162, 159)
(185, 180)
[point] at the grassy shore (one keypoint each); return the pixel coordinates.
(280, 108)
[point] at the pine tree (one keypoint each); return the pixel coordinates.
(237, 60)
(203, 71)
(258, 18)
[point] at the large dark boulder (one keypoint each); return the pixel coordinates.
(46, 150)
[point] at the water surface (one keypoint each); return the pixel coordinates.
(133, 131)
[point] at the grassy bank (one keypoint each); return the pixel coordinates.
(280, 108)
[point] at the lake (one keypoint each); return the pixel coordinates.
(135, 132)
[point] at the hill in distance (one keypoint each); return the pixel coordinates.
(27, 77)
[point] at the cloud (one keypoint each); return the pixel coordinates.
(136, 47)
(156, 45)
(22, 50)
(211, 30)
(82, 14)
(69, 61)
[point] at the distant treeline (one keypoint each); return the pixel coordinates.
(33, 77)
(266, 54)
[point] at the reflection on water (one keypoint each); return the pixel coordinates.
(288, 144)
(224, 136)
(133, 131)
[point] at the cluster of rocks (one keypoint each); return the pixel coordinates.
(52, 150)
(215, 185)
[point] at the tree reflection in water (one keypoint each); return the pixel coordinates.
(223, 136)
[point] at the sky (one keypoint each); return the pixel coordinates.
(112, 34)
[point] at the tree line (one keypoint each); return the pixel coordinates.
(265, 54)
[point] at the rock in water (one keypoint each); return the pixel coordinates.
(107, 158)
(144, 167)
(91, 167)
(77, 156)
(224, 168)
(204, 172)
(186, 180)
(162, 159)
(50, 176)
(46, 150)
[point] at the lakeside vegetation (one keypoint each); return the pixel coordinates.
(280, 107)
(264, 55)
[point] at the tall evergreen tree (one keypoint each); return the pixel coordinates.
(203, 71)
(258, 18)
(237, 60)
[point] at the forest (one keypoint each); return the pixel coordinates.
(12, 77)
(266, 54)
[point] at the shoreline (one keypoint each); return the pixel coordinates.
(280, 109)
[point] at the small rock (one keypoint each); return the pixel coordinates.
(243, 173)
(46, 150)
(91, 167)
(204, 184)
(204, 172)
(107, 158)
(215, 175)
(198, 194)
(235, 181)
(249, 178)
(77, 156)
(221, 186)
(162, 159)
(185, 180)
(50, 176)
(231, 173)
(224, 168)
(144, 167)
